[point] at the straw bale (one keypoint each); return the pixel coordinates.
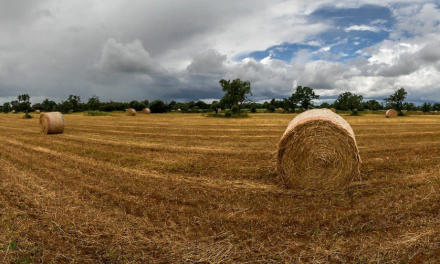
(391, 113)
(37, 111)
(52, 123)
(179, 110)
(219, 110)
(318, 150)
(13, 111)
(146, 111)
(130, 112)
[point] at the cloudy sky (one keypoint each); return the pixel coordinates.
(179, 49)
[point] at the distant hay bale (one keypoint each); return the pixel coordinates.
(13, 111)
(146, 111)
(179, 110)
(333, 110)
(52, 123)
(318, 151)
(130, 112)
(37, 111)
(391, 113)
(405, 112)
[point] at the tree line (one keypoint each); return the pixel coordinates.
(236, 92)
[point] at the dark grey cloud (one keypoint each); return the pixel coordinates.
(208, 62)
(128, 58)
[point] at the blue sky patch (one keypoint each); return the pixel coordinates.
(352, 29)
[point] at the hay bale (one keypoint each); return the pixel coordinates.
(146, 111)
(130, 112)
(37, 111)
(391, 113)
(52, 123)
(318, 151)
(179, 110)
(219, 110)
(13, 111)
(333, 110)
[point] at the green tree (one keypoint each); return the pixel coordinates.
(426, 107)
(75, 102)
(93, 103)
(158, 106)
(372, 105)
(7, 107)
(24, 104)
(48, 105)
(349, 101)
(436, 107)
(303, 96)
(396, 100)
(14, 106)
(236, 92)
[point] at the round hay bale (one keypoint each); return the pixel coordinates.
(130, 112)
(318, 150)
(219, 110)
(37, 111)
(391, 113)
(333, 110)
(179, 110)
(13, 111)
(52, 123)
(146, 111)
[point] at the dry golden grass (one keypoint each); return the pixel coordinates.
(188, 189)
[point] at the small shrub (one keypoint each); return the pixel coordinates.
(354, 112)
(27, 116)
(228, 114)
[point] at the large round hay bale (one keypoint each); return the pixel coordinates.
(318, 151)
(391, 113)
(130, 112)
(146, 111)
(52, 123)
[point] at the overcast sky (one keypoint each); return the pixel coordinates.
(179, 49)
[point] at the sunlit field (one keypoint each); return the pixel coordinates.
(184, 188)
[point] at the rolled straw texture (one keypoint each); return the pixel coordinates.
(146, 111)
(130, 112)
(391, 113)
(318, 150)
(52, 123)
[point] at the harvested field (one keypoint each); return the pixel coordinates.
(187, 188)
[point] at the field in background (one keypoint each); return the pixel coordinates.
(176, 188)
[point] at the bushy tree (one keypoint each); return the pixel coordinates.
(436, 107)
(75, 102)
(93, 103)
(7, 107)
(48, 105)
(158, 106)
(372, 105)
(396, 100)
(426, 107)
(236, 92)
(349, 101)
(303, 96)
